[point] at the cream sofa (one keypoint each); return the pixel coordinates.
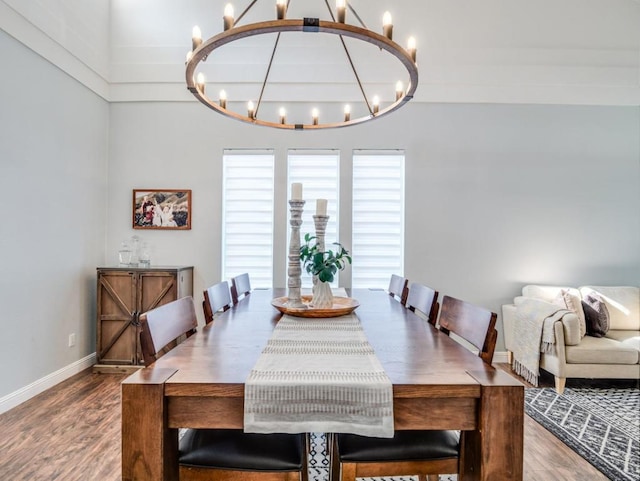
(616, 355)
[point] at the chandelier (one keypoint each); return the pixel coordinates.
(196, 82)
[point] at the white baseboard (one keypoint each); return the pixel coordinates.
(500, 357)
(21, 395)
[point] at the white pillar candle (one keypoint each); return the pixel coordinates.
(321, 207)
(296, 191)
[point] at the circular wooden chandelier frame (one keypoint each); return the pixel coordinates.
(201, 53)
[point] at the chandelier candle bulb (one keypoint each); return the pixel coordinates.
(200, 81)
(281, 9)
(341, 9)
(314, 116)
(296, 191)
(399, 90)
(251, 110)
(411, 48)
(196, 38)
(321, 207)
(376, 104)
(283, 115)
(228, 16)
(387, 26)
(347, 113)
(223, 99)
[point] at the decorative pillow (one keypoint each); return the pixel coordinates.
(559, 300)
(596, 315)
(574, 304)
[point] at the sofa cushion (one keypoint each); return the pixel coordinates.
(596, 314)
(623, 304)
(627, 338)
(601, 350)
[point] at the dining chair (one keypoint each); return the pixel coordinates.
(424, 300)
(163, 327)
(220, 454)
(425, 453)
(240, 287)
(398, 288)
(216, 298)
(472, 323)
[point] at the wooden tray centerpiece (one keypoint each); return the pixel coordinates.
(341, 306)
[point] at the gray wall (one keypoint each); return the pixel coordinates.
(53, 158)
(497, 196)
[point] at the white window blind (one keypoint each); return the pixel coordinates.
(247, 226)
(318, 171)
(377, 217)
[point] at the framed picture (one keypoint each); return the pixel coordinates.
(162, 209)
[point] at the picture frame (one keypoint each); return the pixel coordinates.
(164, 209)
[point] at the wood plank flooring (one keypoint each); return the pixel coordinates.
(71, 432)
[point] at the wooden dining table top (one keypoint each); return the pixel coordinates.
(410, 350)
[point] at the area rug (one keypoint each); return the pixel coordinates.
(599, 420)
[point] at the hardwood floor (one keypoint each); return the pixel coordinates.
(71, 432)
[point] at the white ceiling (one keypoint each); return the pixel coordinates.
(513, 51)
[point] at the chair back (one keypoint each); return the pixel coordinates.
(423, 299)
(240, 287)
(161, 328)
(474, 324)
(216, 298)
(398, 287)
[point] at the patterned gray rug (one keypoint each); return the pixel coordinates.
(319, 463)
(599, 420)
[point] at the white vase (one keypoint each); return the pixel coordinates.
(322, 296)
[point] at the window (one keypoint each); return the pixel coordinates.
(247, 225)
(319, 174)
(377, 217)
(376, 213)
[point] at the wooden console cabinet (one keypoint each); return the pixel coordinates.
(123, 294)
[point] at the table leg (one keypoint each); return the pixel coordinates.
(494, 452)
(149, 447)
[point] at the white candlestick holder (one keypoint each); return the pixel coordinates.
(294, 271)
(320, 222)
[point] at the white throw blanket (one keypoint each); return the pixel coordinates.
(534, 333)
(319, 375)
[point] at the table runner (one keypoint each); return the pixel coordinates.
(319, 375)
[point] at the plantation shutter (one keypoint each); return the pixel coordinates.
(247, 226)
(377, 217)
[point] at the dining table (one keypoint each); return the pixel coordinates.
(437, 383)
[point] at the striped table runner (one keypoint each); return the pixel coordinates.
(319, 375)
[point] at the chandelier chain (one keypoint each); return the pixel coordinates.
(245, 11)
(346, 50)
(355, 14)
(266, 77)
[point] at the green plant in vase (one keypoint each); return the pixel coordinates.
(324, 265)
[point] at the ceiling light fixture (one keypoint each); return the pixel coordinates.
(336, 26)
